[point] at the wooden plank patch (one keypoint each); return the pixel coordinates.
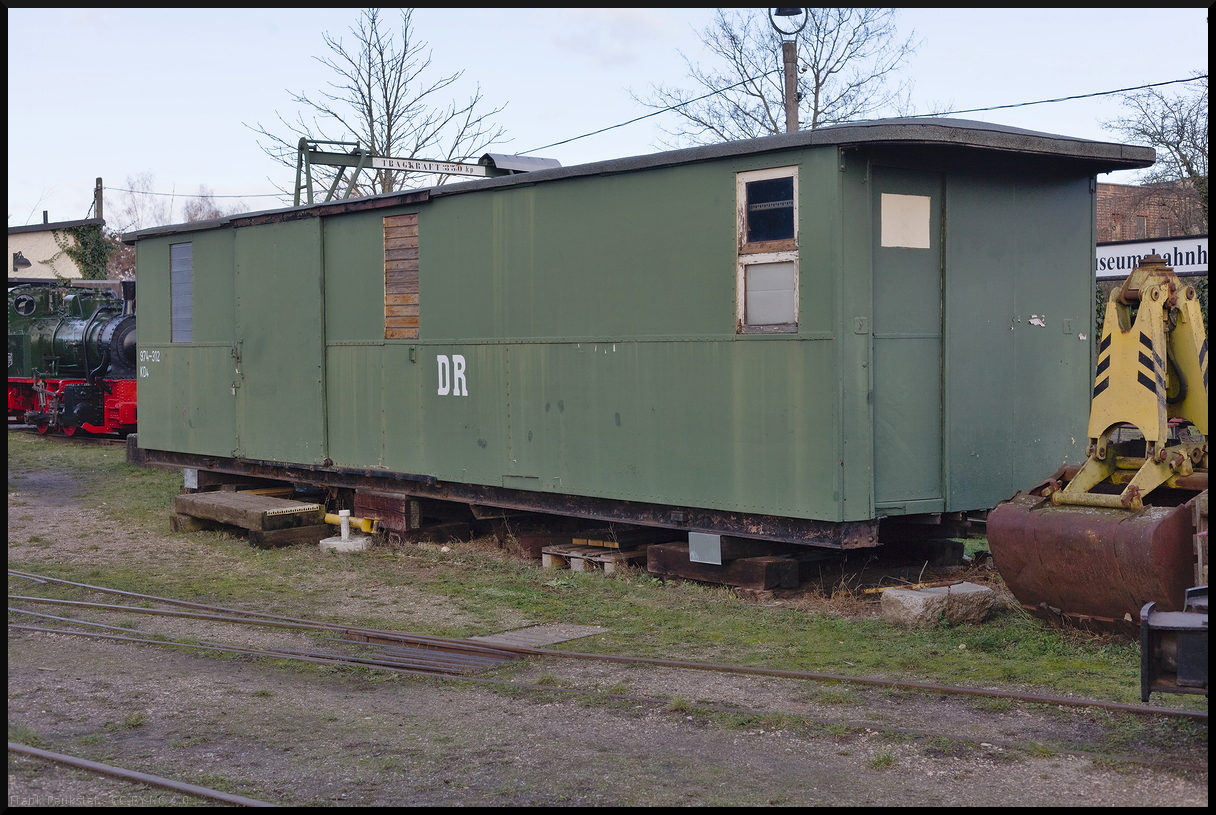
(401, 305)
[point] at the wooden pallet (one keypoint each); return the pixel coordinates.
(589, 558)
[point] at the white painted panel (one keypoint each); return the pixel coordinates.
(905, 220)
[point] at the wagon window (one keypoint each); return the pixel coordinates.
(181, 291)
(767, 272)
(770, 210)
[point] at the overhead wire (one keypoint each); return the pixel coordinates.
(671, 108)
(185, 195)
(648, 115)
(1060, 99)
(910, 116)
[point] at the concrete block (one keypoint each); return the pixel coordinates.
(922, 608)
(355, 543)
(967, 603)
(912, 608)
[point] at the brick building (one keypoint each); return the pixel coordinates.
(1128, 213)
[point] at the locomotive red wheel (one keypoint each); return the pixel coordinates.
(43, 428)
(69, 429)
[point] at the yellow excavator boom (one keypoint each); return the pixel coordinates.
(1093, 545)
(1152, 367)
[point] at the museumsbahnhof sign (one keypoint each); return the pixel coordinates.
(1188, 255)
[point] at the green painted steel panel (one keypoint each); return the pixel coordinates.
(185, 398)
(1030, 402)
(646, 255)
(213, 259)
(152, 291)
(735, 426)
(357, 413)
(1019, 253)
(655, 419)
(591, 320)
(728, 425)
(354, 302)
(466, 430)
(280, 405)
(907, 329)
(853, 317)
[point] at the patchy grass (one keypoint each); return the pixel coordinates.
(477, 585)
(20, 734)
(882, 761)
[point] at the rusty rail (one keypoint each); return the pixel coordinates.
(133, 775)
(369, 635)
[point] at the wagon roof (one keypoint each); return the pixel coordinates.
(1088, 155)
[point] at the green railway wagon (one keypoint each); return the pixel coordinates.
(809, 338)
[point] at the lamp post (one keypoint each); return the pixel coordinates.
(789, 58)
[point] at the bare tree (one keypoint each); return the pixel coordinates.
(847, 60)
(386, 98)
(203, 206)
(140, 206)
(1176, 126)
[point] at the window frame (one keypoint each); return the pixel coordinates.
(756, 253)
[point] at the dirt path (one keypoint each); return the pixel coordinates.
(306, 735)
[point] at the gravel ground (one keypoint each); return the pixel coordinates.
(311, 735)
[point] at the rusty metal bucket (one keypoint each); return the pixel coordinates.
(1090, 567)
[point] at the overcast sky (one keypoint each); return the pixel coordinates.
(119, 92)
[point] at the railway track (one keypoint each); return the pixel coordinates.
(466, 661)
(136, 777)
(80, 437)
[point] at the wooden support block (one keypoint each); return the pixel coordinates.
(395, 511)
(273, 538)
(185, 523)
(442, 533)
(532, 544)
(205, 480)
(628, 538)
(671, 559)
(274, 492)
(248, 511)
